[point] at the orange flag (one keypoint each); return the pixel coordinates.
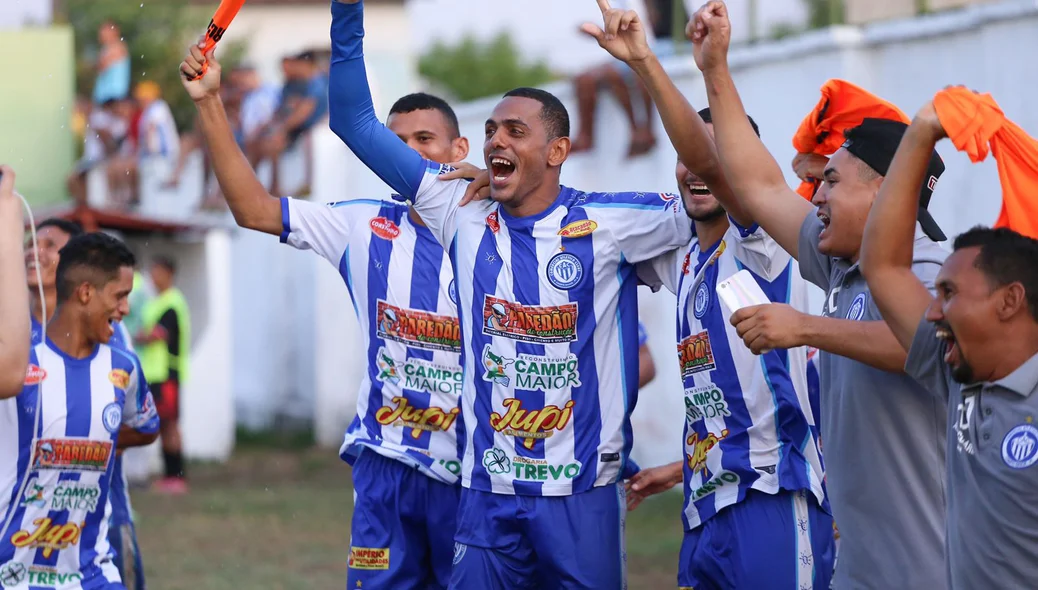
(843, 106)
(975, 121)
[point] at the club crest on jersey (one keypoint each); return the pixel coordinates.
(857, 309)
(452, 292)
(112, 416)
(564, 271)
(34, 375)
(119, 378)
(528, 323)
(1020, 446)
(702, 301)
(493, 223)
(384, 228)
(459, 552)
(578, 229)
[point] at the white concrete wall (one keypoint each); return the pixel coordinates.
(547, 29)
(15, 14)
(989, 48)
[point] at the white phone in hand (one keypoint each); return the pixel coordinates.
(740, 290)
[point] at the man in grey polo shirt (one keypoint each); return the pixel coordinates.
(975, 345)
(883, 435)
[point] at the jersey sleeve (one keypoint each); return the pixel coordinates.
(757, 251)
(925, 362)
(815, 267)
(325, 229)
(644, 225)
(139, 411)
(661, 271)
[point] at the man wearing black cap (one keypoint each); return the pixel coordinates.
(883, 434)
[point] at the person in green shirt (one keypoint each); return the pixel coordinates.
(164, 340)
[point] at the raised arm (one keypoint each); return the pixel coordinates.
(350, 110)
(752, 173)
(624, 38)
(14, 297)
(886, 250)
(250, 203)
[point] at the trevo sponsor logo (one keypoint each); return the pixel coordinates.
(384, 228)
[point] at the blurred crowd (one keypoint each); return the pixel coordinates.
(128, 130)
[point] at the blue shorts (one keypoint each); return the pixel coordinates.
(531, 542)
(403, 526)
(122, 535)
(780, 542)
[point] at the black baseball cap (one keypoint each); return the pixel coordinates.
(875, 142)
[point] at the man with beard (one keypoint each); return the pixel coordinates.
(975, 345)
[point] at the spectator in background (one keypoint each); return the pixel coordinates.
(106, 135)
(621, 81)
(164, 352)
(157, 145)
(113, 65)
(304, 102)
(259, 103)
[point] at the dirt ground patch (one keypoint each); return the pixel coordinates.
(281, 520)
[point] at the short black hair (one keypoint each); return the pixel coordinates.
(553, 112)
(165, 262)
(420, 101)
(95, 257)
(708, 118)
(72, 228)
(1005, 257)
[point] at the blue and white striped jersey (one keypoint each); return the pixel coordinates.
(59, 518)
(548, 303)
(404, 294)
(748, 420)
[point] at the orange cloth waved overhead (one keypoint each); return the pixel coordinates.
(843, 106)
(975, 121)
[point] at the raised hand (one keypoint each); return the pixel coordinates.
(622, 33)
(478, 189)
(710, 32)
(209, 84)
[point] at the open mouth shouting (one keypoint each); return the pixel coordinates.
(501, 169)
(952, 355)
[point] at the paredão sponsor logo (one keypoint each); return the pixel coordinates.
(48, 536)
(70, 454)
(528, 323)
(384, 228)
(418, 374)
(420, 329)
(531, 372)
(34, 375)
(695, 354)
(364, 558)
(578, 229)
(403, 414)
(119, 378)
(531, 425)
(66, 495)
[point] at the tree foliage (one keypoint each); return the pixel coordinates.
(157, 33)
(472, 69)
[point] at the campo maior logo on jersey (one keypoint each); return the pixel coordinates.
(420, 329)
(528, 323)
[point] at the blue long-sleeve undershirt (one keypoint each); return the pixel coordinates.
(352, 115)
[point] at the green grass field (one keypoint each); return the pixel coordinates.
(281, 519)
